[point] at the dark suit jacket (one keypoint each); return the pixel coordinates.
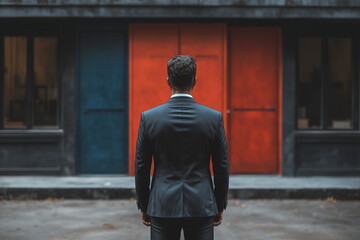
(181, 135)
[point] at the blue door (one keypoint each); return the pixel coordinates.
(102, 102)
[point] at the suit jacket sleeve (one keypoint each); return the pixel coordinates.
(143, 160)
(220, 166)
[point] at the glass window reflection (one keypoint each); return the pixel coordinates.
(339, 84)
(45, 81)
(15, 80)
(309, 83)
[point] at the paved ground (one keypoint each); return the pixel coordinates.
(119, 219)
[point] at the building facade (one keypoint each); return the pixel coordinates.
(75, 76)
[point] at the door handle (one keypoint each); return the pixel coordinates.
(255, 109)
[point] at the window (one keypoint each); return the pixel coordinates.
(29, 82)
(15, 76)
(324, 83)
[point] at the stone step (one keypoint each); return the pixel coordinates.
(123, 187)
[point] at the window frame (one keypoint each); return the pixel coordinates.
(29, 120)
(324, 35)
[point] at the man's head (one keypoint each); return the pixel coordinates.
(181, 73)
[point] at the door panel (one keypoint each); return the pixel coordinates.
(152, 45)
(253, 148)
(254, 99)
(102, 145)
(102, 148)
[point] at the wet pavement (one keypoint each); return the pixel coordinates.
(56, 219)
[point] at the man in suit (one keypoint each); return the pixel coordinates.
(181, 135)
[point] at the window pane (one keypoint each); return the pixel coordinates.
(309, 83)
(339, 84)
(45, 81)
(15, 82)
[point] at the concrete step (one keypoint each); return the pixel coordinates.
(123, 187)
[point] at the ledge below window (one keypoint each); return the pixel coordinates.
(31, 135)
(327, 133)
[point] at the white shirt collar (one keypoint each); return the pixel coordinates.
(181, 95)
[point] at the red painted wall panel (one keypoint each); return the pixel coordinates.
(152, 45)
(254, 84)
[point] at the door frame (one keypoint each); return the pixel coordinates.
(99, 28)
(279, 89)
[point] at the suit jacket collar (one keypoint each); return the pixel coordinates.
(181, 99)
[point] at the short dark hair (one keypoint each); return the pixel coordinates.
(181, 71)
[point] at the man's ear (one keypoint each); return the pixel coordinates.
(168, 82)
(194, 82)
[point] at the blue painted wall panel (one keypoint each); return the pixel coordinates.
(102, 108)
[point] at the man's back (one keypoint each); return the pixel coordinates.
(182, 135)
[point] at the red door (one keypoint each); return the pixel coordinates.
(254, 99)
(151, 46)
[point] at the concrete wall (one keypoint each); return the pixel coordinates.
(258, 9)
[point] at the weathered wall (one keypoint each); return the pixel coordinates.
(287, 9)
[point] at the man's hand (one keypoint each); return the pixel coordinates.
(145, 219)
(218, 219)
